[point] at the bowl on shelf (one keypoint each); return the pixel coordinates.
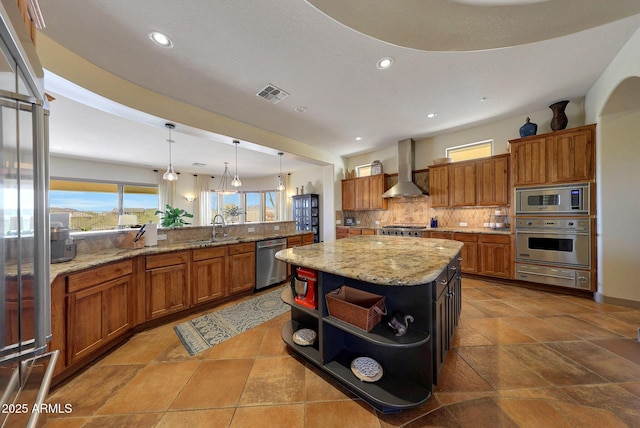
(440, 161)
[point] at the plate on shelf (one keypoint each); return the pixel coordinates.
(366, 369)
(304, 337)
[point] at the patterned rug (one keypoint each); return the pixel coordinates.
(208, 330)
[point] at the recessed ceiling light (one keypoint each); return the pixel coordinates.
(161, 39)
(384, 63)
(431, 115)
(483, 99)
(358, 138)
(301, 109)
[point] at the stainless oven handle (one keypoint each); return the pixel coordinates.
(552, 232)
(546, 274)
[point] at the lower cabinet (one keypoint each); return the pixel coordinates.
(242, 267)
(495, 255)
(98, 308)
(409, 362)
(447, 306)
(486, 254)
(208, 274)
(166, 284)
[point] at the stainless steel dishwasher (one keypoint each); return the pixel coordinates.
(269, 270)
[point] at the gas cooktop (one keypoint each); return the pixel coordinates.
(412, 230)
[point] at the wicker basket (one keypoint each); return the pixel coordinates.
(356, 307)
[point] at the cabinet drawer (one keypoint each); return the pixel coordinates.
(441, 235)
(249, 247)
(209, 253)
(294, 241)
(80, 281)
(495, 239)
(465, 237)
(170, 259)
(442, 283)
(308, 239)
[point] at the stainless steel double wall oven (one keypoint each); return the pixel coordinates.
(553, 235)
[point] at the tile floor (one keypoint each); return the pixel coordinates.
(520, 358)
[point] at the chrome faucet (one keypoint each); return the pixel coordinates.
(215, 227)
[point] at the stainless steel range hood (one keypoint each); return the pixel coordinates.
(405, 187)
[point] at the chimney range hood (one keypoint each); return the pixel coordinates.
(405, 187)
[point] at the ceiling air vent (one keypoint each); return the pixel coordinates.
(272, 94)
(198, 164)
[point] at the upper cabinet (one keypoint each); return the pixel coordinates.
(364, 193)
(480, 182)
(557, 157)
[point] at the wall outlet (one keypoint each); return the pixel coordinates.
(338, 221)
(485, 224)
(251, 229)
(357, 221)
(377, 222)
(276, 227)
(463, 224)
(162, 237)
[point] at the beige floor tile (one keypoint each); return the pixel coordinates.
(610, 322)
(320, 387)
(611, 397)
(481, 413)
(584, 416)
(140, 420)
(153, 389)
(140, 349)
(533, 413)
(441, 417)
(275, 380)
(210, 418)
(89, 391)
(272, 344)
(496, 308)
(457, 375)
(499, 331)
(580, 328)
(626, 348)
(291, 415)
(215, 383)
(338, 414)
(539, 330)
(245, 345)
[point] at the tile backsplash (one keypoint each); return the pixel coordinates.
(417, 211)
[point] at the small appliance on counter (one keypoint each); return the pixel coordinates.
(62, 247)
(304, 285)
(349, 221)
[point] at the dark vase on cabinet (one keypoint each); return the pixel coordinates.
(306, 214)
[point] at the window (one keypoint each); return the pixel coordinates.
(481, 149)
(96, 205)
(363, 170)
(246, 207)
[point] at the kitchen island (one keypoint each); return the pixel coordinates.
(417, 277)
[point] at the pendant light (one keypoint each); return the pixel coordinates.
(280, 181)
(170, 175)
(224, 182)
(236, 180)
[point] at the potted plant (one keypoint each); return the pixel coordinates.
(173, 217)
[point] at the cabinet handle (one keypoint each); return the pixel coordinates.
(454, 268)
(443, 282)
(460, 258)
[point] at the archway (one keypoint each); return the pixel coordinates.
(618, 194)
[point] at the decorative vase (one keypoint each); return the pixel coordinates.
(528, 129)
(559, 120)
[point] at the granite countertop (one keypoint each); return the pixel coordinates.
(385, 260)
(93, 259)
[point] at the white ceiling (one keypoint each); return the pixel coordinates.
(448, 56)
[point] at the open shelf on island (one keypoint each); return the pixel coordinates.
(311, 352)
(381, 334)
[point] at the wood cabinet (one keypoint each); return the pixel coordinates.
(342, 232)
(556, 157)
(495, 255)
(462, 184)
(439, 186)
(480, 182)
(208, 274)
(469, 252)
(98, 308)
(242, 267)
(308, 238)
(485, 254)
(447, 307)
(364, 193)
(166, 283)
(349, 194)
(492, 180)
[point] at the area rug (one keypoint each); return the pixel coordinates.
(208, 330)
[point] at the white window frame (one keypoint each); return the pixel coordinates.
(448, 150)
